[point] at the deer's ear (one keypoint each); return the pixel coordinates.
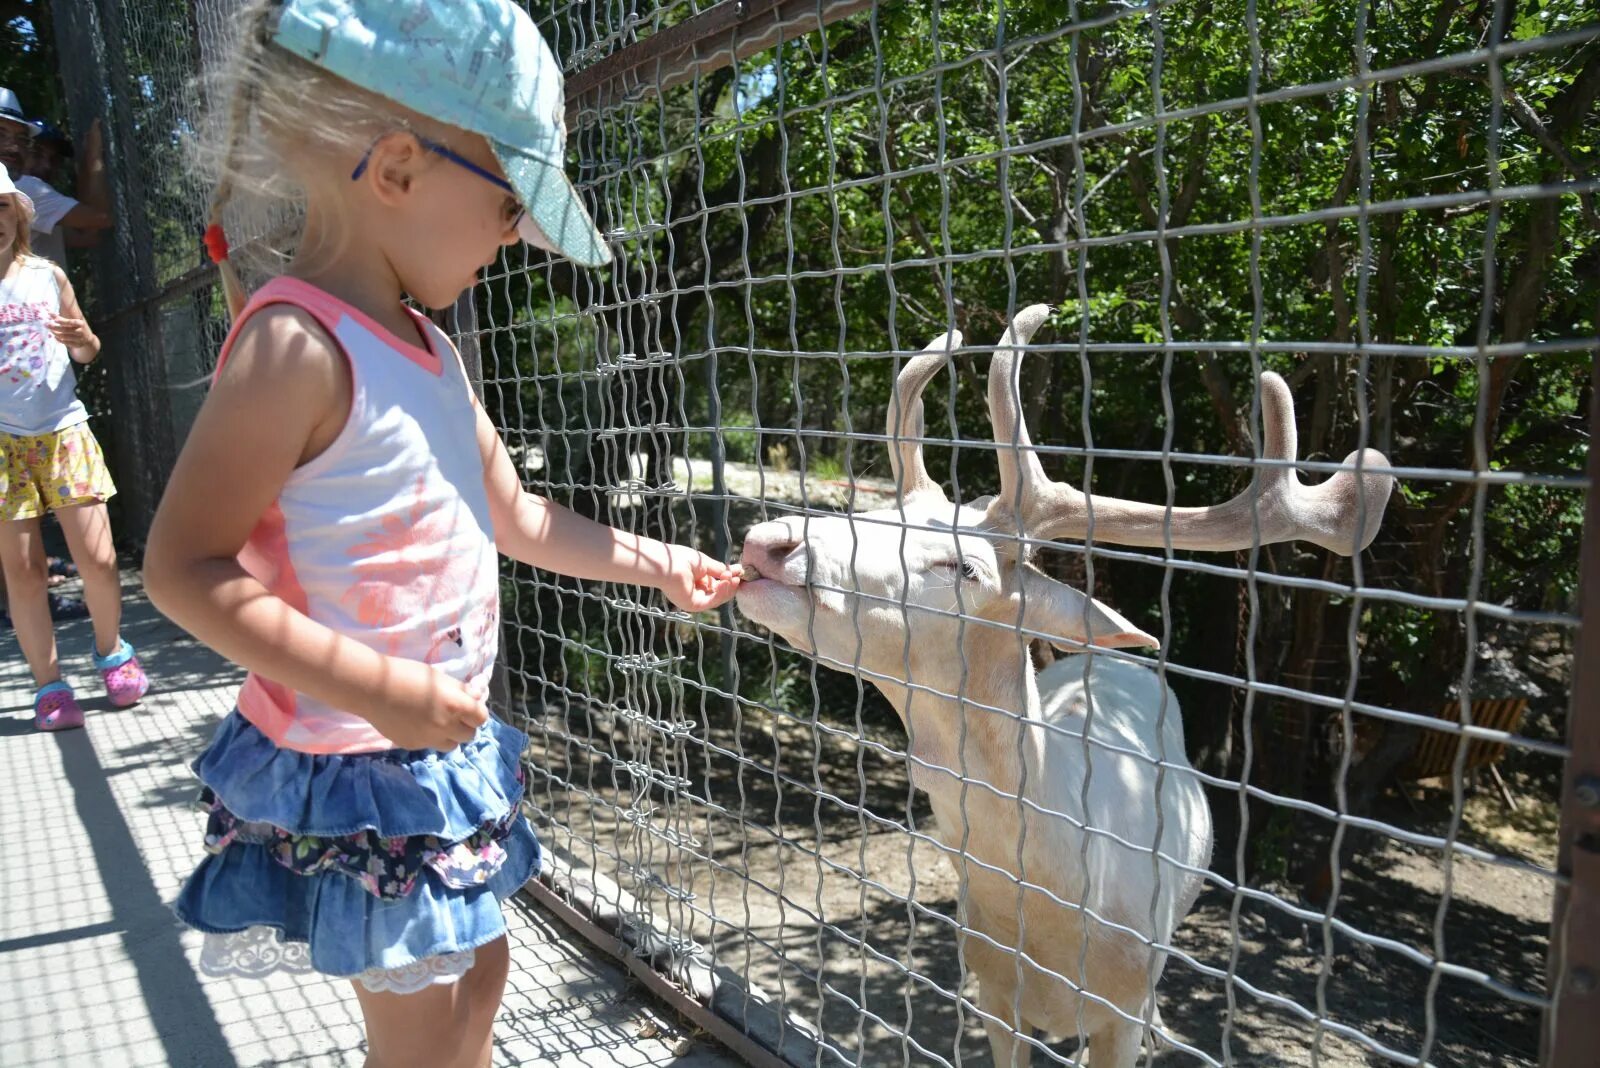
(1056, 609)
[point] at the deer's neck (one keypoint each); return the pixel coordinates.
(974, 723)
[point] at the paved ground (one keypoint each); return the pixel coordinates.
(100, 833)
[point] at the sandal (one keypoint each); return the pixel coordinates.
(125, 680)
(56, 709)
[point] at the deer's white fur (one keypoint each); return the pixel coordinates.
(1034, 750)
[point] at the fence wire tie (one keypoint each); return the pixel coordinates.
(643, 876)
(634, 487)
(635, 430)
(640, 770)
(623, 604)
(648, 662)
(629, 361)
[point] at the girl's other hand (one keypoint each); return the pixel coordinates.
(420, 707)
(73, 333)
(697, 583)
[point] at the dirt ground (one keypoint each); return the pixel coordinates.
(825, 897)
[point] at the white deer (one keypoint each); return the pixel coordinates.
(1080, 856)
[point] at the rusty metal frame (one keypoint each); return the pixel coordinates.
(681, 973)
(1571, 1033)
(717, 37)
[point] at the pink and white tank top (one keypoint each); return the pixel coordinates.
(385, 537)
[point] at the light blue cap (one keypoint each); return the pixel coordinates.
(477, 64)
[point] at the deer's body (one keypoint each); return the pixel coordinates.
(1079, 856)
(1132, 898)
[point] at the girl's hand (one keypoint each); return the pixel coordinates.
(73, 333)
(420, 707)
(695, 582)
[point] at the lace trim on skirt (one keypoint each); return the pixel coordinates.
(257, 952)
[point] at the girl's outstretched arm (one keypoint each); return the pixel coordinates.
(281, 399)
(542, 533)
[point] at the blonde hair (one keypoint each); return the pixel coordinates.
(274, 117)
(22, 244)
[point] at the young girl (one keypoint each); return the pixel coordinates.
(332, 524)
(49, 460)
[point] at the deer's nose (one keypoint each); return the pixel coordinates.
(768, 545)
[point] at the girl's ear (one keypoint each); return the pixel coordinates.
(392, 166)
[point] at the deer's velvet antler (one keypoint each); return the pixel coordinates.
(1341, 514)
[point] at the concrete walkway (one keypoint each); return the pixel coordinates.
(99, 832)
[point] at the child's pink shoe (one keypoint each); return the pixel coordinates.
(56, 709)
(125, 679)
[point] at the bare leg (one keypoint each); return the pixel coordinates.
(440, 1026)
(22, 554)
(487, 987)
(88, 531)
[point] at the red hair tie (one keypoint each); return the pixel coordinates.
(216, 243)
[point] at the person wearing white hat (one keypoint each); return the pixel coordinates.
(55, 213)
(51, 463)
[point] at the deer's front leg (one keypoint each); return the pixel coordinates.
(995, 998)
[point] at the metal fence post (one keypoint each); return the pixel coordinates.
(1572, 1023)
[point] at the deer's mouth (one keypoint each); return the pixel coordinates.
(770, 599)
(752, 576)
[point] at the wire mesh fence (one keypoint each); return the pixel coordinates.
(891, 809)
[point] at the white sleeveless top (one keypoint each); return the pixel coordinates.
(385, 537)
(38, 390)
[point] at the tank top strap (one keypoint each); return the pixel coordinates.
(325, 308)
(329, 311)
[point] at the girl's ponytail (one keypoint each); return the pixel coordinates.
(216, 244)
(239, 117)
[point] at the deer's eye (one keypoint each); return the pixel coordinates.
(968, 569)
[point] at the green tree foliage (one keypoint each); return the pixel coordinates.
(28, 56)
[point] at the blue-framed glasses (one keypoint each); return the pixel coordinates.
(509, 217)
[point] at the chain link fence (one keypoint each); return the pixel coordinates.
(1389, 206)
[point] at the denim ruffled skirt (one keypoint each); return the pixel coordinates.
(363, 864)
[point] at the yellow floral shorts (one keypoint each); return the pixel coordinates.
(48, 472)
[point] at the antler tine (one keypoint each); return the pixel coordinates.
(904, 422)
(1022, 477)
(1342, 514)
(1276, 503)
